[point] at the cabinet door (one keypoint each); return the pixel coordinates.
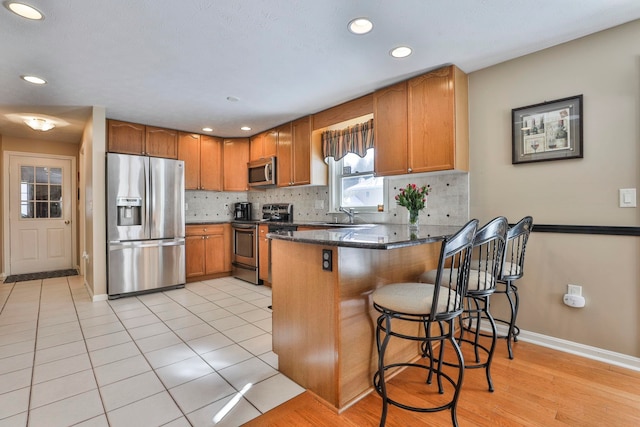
(161, 142)
(189, 151)
(301, 144)
(256, 148)
(195, 255)
(263, 252)
(390, 130)
(215, 258)
(270, 143)
(236, 156)
(210, 163)
(125, 137)
(431, 113)
(284, 153)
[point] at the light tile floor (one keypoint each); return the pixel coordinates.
(174, 358)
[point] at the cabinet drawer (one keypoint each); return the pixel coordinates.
(205, 229)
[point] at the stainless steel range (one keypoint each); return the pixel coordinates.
(245, 239)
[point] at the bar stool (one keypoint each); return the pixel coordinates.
(486, 262)
(512, 270)
(426, 305)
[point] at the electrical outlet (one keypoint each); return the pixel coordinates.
(574, 290)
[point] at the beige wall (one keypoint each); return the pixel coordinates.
(9, 143)
(605, 68)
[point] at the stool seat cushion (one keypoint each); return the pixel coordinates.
(413, 298)
(508, 268)
(478, 281)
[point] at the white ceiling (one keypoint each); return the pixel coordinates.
(173, 63)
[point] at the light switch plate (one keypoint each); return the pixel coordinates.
(627, 197)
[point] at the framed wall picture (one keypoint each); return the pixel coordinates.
(547, 131)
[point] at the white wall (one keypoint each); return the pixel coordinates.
(605, 68)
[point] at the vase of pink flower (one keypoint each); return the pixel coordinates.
(413, 198)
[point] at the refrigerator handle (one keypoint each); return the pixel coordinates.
(148, 188)
(146, 244)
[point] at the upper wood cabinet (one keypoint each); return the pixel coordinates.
(263, 145)
(211, 158)
(236, 157)
(134, 138)
(421, 125)
(161, 142)
(202, 155)
(296, 159)
(124, 137)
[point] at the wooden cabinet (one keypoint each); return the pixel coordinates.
(202, 155)
(124, 137)
(134, 138)
(208, 250)
(263, 253)
(160, 142)
(210, 163)
(299, 158)
(263, 145)
(236, 156)
(421, 125)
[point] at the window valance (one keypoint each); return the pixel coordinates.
(354, 139)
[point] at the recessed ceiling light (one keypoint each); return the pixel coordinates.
(400, 52)
(360, 26)
(24, 10)
(232, 99)
(207, 129)
(245, 128)
(40, 124)
(34, 79)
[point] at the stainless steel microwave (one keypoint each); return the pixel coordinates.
(262, 172)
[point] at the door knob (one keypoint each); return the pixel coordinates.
(67, 222)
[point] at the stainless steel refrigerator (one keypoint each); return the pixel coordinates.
(145, 224)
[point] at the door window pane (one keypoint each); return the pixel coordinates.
(55, 210)
(55, 192)
(42, 210)
(55, 176)
(26, 210)
(42, 175)
(42, 192)
(26, 174)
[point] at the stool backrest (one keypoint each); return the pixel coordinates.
(488, 256)
(517, 237)
(452, 276)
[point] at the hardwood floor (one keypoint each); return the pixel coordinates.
(540, 387)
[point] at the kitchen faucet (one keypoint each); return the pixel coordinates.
(349, 212)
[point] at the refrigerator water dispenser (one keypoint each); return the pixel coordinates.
(129, 211)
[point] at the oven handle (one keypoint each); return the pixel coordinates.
(244, 226)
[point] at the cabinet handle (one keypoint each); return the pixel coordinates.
(203, 237)
(409, 170)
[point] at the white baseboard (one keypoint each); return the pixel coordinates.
(594, 353)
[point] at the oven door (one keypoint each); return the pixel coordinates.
(245, 244)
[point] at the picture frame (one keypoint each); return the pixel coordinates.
(547, 131)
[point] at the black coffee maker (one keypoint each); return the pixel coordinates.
(242, 211)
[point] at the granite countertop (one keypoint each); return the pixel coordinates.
(371, 236)
(206, 221)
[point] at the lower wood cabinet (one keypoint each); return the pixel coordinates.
(208, 251)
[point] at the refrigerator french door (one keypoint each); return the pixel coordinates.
(145, 224)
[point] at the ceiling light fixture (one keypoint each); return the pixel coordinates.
(245, 128)
(207, 129)
(401, 52)
(360, 26)
(39, 124)
(24, 10)
(232, 99)
(34, 79)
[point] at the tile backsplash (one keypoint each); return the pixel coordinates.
(447, 204)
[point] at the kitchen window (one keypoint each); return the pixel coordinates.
(353, 184)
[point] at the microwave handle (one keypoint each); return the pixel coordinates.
(267, 172)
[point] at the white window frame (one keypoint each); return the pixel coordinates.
(335, 189)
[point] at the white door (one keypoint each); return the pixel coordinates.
(40, 213)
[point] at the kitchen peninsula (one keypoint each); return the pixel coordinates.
(323, 318)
